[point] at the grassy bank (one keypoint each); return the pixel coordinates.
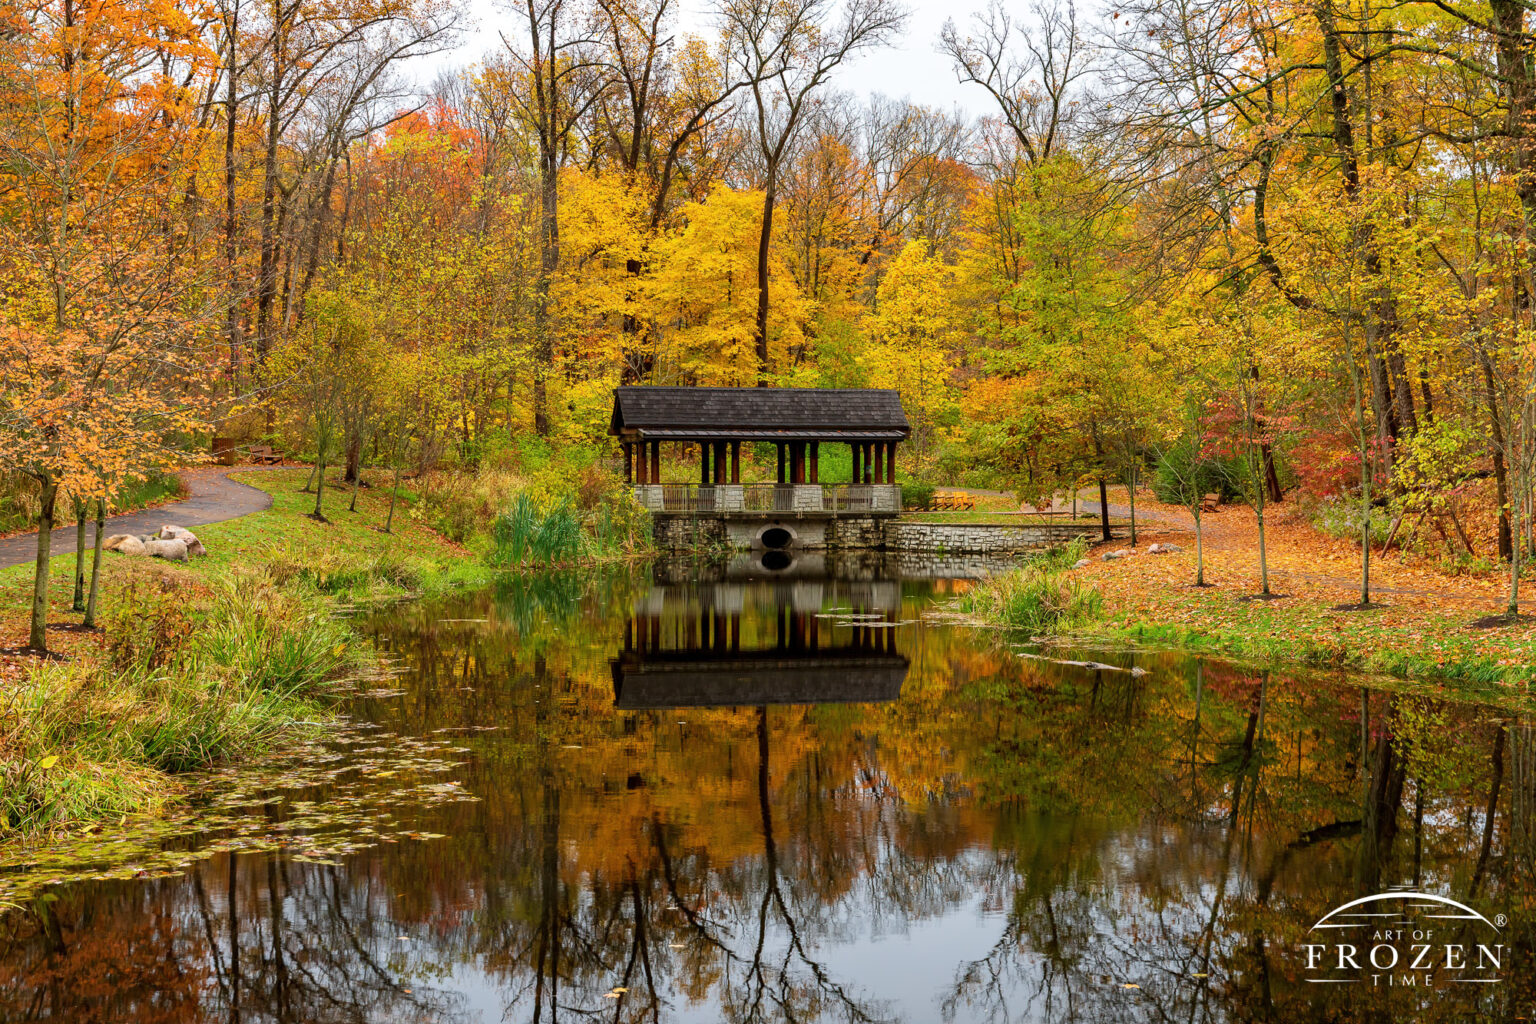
(202, 662)
(1149, 601)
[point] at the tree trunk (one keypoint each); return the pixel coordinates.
(1130, 489)
(77, 601)
(319, 512)
(354, 458)
(1104, 511)
(101, 529)
(1263, 552)
(1199, 549)
(37, 637)
(231, 228)
(764, 238)
(394, 493)
(1500, 469)
(549, 260)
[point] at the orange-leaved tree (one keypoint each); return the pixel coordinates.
(102, 347)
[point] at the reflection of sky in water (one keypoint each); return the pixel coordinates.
(1013, 839)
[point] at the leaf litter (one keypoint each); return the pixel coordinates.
(336, 795)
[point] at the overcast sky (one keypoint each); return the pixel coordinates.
(912, 70)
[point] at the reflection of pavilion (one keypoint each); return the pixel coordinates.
(734, 645)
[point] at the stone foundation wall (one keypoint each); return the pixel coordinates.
(856, 533)
(860, 532)
(675, 533)
(978, 539)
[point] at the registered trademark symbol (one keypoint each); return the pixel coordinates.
(1499, 920)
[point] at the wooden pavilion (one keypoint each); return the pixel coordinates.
(797, 421)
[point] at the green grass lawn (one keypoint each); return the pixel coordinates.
(283, 532)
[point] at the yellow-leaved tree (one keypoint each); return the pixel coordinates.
(913, 331)
(704, 295)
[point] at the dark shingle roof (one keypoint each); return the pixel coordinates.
(794, 412)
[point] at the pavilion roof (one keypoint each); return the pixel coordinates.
(813, 414)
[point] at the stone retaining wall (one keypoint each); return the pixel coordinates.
(874, 533)
(677, 533)
(980, 538)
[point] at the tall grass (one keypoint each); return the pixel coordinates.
(1038, 598)
(526, 534)
(173, 692)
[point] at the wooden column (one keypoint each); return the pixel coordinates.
(797, 462)
(703, 463)
(719, 461)
(735, 462)
(780, 447)
(815, 462)
(637, 452)
(877, 453)
(655, 462)
(629, 465)
(890, 463)
(869, 471)
(856, 476)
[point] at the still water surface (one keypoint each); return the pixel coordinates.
(815, 799)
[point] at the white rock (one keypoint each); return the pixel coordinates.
(174, 550)
(1080, 563)
(195, 547)
(123, 544)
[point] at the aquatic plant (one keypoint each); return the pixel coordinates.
(525, 534)
(1038, 597)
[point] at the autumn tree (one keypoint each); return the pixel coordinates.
(787, 52)
(103, 353)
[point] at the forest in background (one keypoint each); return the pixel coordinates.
(1244, 245)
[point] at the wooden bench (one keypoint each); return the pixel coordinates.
(1210, 502)
(263, 455)
(953, 501)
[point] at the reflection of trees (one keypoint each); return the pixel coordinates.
(1171, 830)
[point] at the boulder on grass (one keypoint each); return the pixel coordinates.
(123, 544)
(1081, 563)
(173, 550)
(195, 547)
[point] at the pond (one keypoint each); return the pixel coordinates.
(806, 794)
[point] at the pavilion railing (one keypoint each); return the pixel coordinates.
(766, 497)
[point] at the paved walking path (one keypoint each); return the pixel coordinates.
(211, 498)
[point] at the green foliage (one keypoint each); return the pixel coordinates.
(1342, 518)
(838, 345)
(1183, 475)
(916, 495)
(1038, 598)
(526, 534)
